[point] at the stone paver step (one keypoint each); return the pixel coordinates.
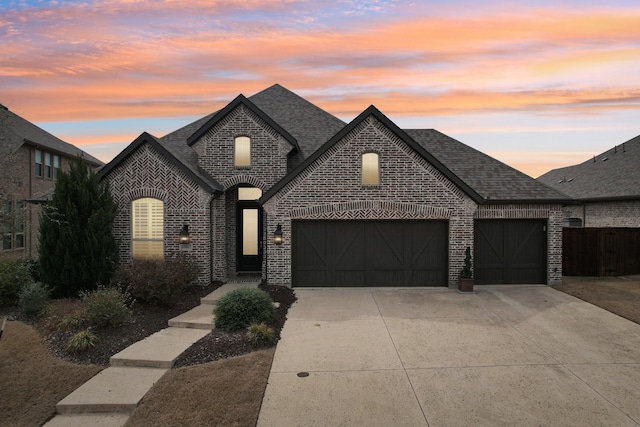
(115, 390)
(83, 420)
(158, 350)
(214, 296)
(200, 317)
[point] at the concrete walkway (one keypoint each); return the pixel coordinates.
(506, 355)
(107, 399)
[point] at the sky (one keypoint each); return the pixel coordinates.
(537, 84)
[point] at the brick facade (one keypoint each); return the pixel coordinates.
(19, 183)
(216, 156)
(410, 188)
(146, 173)
(329, 188)
(622, 213)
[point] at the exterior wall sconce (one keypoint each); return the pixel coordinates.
(184, 237)
(277, 235)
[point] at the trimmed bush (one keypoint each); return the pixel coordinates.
(157, 282)
(33, 298)
(241, 307)
(107, 307)
(73, 321)
(81, 341)
(260, 334)
(14, 275)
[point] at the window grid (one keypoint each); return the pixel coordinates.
(147, 234)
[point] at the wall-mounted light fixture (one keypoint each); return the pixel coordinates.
(184, 237)
(277, 235)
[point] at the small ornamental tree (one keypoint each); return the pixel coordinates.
(77, 248)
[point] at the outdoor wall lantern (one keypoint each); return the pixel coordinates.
(184, 237)
(277, 235)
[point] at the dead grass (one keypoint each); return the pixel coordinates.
(619, 295)
(225, 392)
(32, 380)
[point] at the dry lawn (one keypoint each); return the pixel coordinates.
(32, 381)
(221, 393)
(619, 295)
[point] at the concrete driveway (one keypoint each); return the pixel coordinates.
(507, 355)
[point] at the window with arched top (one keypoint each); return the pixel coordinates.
(370, 169)
(147, 229)
(242, 151)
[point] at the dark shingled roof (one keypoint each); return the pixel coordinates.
(16, 131)
(490, 178)
(484, 177)
(614, 174)
(308, 124)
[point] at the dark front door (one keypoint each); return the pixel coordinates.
(249, 237)
(369, 253)
(510, 251)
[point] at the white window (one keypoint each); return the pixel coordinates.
(147, 229)
(38, 163)
(56, 166)
(12, 225)
(370, 169)
(243, 151)
(47, 165)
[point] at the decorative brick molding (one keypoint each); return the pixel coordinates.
(370, 209)
(244, 179)
(514, 211)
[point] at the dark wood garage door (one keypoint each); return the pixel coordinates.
(510, 252)
(369, 253)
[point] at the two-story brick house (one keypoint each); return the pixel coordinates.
(30, 160)
(273, 185)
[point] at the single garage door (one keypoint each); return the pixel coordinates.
(510, 251)
(369, 253)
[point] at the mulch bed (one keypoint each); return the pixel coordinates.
(148, 319)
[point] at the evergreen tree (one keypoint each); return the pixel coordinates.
(77, 248)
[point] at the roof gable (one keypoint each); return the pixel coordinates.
(241, 100)
(373, 111)
(16, 131)
(613, 174)
(205, 181)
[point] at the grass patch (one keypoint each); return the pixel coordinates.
(34, 381)
(191, 394)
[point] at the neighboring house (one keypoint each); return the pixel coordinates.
(30, 160)
(274, 185)
(606, 189)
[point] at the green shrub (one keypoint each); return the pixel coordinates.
(33, 265)
(73, 321)
(157, 282)
(107, 307)
(260, 334)
(243, 306)
(33, 298)
(81, 341)
(14, 275)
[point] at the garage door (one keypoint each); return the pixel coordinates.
(510, 252)
(369, 253)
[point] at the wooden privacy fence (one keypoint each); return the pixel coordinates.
(600, 251)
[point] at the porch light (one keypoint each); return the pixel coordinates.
(184, 237)
(277, 235)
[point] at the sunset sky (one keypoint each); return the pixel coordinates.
(537, 84)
